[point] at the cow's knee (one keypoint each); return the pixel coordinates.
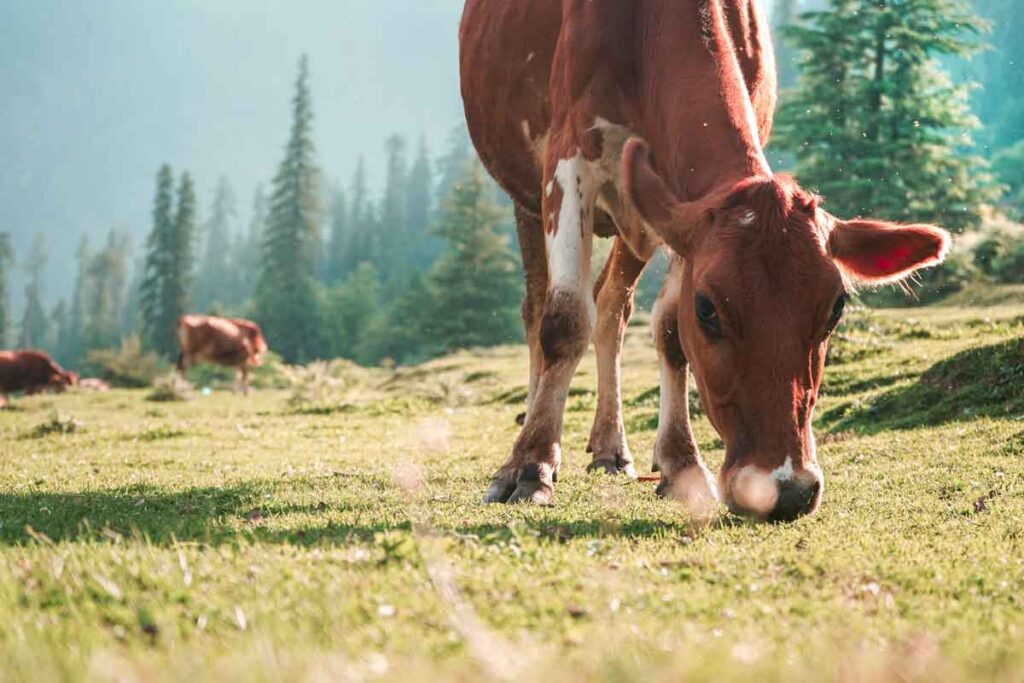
(565, 328)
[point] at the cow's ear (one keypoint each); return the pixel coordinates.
(877, 252)
(671, 219)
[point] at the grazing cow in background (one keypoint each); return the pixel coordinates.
(645, 120)
(232, 342)
(31, 371)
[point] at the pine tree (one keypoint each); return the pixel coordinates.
(159, 249)
(34, 327)
(876, 124)
(287, 304)
(340, 242)
(178, 284)
(455, 163)
(252, 249)
(130, 316)
(1008, 165)
(167, 282)
(360, 246)
(59, 331)
(405, 333)
(393, 247)
(103, 298)
(426, 246)
(214, 282)
(475, 286)
(6, 262)
(350, 308)
(70, 342)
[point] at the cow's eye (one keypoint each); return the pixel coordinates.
(707, 316)
(837, 314)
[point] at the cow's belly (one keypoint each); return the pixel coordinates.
(506, 50)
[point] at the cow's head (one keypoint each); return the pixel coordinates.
(765, 280)
(259, 345)
(61, 380)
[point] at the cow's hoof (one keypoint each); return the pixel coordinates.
(500, 490)
(532, 491)
(612, 466)
(521, 419)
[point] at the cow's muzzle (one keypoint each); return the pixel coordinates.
(779, 495)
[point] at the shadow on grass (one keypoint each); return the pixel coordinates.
(981, 382)
(233, 514)
(208, 514)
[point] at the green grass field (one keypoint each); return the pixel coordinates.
(231, 538)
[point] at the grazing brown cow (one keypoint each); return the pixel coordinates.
(644, 120)
(232, 342)
(31, 371)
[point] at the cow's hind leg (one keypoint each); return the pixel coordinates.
(563, 335)
(614, 293)
(683, 473)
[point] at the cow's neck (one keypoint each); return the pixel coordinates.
(706, 122)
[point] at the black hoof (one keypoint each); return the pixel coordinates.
(535, 483)
(535, 492)
(500, 490)
(521, 419)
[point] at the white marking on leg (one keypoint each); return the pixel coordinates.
(569, 246)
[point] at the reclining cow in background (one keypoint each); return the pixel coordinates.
(32, 372)
(645, 120)
(232, 342)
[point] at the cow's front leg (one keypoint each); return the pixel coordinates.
(565, 329)
(614, 293)
(535, 267)
(683, 474)
(243, 379)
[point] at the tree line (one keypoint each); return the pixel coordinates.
(327, 270)
(867, 93)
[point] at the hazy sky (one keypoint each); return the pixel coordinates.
(96, 94)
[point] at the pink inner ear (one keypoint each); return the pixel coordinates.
(893, 261)
(875, 251)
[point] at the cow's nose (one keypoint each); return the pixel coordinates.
(797, 497)
(781, 495)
